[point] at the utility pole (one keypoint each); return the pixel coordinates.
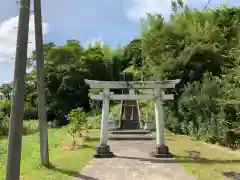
(44, 154)
(17, 104)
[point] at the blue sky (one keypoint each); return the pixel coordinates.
(110, 21)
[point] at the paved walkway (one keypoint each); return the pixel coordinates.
(133, 163)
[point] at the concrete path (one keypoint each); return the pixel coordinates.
(133, 163)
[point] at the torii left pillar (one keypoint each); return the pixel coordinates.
(162, 150)
(103, 149)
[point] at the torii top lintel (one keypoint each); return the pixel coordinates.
(167, 84)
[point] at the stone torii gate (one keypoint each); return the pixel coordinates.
(158, 96)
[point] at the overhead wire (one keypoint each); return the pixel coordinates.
(205, 7)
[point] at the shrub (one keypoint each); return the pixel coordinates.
(5, 106)
(30, 113)
(30, 127)
(4, 125)
(78, 122)
(94, 122)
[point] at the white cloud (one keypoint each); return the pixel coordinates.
(141, 7)
(8, 40)
(8, 37)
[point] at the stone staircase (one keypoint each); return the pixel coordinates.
(130, 115)
(130, 120)
(131, 135)
(131, 124)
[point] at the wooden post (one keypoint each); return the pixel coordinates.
(17, 104)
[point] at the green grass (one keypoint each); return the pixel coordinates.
(66, 162)
(215, 159)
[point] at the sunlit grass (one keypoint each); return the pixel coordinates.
(65, 162)
(213, 160)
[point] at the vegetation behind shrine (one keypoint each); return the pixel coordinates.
(200, 48)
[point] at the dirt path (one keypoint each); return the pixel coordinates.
(133, 163)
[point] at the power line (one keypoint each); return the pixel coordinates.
(206, 5)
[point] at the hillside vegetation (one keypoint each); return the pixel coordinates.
(200, 48)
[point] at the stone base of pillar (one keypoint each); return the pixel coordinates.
(162, 151)
(103, 151)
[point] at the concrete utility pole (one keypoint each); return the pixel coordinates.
(17, 106)
(40, 85)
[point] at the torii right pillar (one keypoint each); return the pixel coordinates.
(162, 150)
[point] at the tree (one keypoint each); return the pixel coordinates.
(201, 49)
(78, 122)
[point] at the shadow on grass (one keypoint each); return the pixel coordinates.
(85, 146)
(91, 138)
(77, 147)
(232, 175)
(71, 173)
(183, 159)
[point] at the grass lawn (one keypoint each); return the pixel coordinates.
(214, 161)
(65, 163)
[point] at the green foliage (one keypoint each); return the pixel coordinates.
(66, 67)
(4, 124)
(78, 122)
(115, 112)
(5, 106)
(94, 116)
(97, 121)
(147, 109)
(202, 49)
(137, 72)
(30, 127)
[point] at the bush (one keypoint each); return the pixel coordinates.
(4, 124)
(115, 111)
(78, 122)
(5, 106)
(94, 121)
(29, 126)
(203, 111)
(30, 113)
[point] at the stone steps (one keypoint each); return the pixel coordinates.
(130, 132)
(130, 124)
(131, 137)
